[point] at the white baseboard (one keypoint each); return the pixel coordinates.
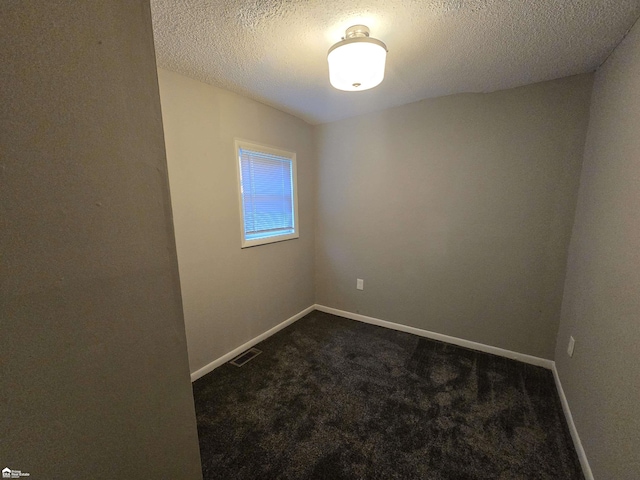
(584, 463)
(522, 357)
(245, 346)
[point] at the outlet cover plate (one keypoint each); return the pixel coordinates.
(572, 344)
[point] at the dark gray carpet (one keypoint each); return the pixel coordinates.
(331, 398)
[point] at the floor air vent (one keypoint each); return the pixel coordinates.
(243, 358)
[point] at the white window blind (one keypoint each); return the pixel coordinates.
(267, 192)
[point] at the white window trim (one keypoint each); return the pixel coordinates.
(240, 143)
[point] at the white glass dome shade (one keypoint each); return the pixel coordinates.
(357, 62)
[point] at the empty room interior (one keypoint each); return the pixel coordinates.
(320, 239)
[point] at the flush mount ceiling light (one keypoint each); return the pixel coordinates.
(357, 62)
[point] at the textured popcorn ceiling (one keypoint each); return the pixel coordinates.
(275, 51)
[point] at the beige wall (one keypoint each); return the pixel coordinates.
(94, 379)
(231, 295)
(455, 211)
(601, 306)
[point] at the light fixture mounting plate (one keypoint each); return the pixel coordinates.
(357, 31)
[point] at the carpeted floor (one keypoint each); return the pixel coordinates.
(331, 398)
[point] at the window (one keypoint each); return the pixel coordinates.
(268, 194)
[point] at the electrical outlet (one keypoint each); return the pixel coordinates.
(572, 344)
(360, 284)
